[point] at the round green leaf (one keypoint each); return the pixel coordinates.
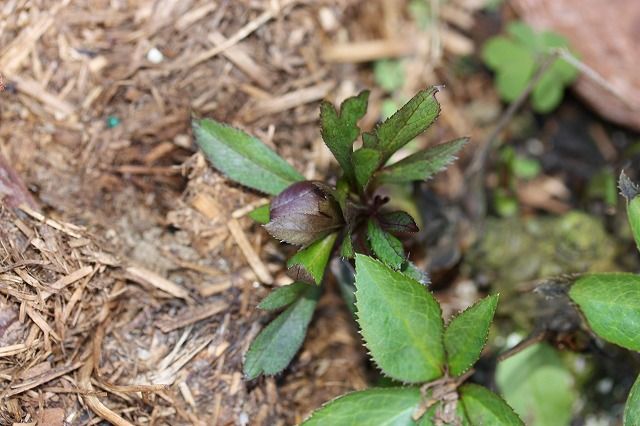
(538, 386)
(497, 52)
(524, 34)
(547, 94)
(564, 71)
(512, 80)
(401, 322)
(551, 39)
(611, 305)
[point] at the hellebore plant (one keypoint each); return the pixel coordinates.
(344, 219)
(400, 320)
(401, 323)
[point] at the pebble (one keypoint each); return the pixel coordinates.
(155, 56)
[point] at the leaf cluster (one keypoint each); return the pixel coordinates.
(401, 323)
(516, 56)
(349, 217)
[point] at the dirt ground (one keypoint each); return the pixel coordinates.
(130, 300)
(129, 272)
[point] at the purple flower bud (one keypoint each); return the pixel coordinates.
(304, 212)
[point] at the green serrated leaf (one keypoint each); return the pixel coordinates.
(339, 129)
(632, 407)
(244, 158)
(365, 162)
(383, 406)
(369, 140)
(341, 193)
(423, 164)
(538, 386)
(385, 246)
(466, 334)
(401, 322)
(410, 120)
(283, 296)
(276, 345)
(611, 304)
(412, 271)
(631, 193)
(345, 277)
(388, 108)
(260, 214)
(484, 407)
(397, 221)
(309, 264)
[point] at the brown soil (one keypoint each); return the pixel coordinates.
(123, 294)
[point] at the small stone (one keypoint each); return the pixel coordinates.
(327, 19)
(155, 56)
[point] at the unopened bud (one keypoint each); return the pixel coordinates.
(303, 213)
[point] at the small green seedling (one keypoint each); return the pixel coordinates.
(515, 57)
(323, 220)
(401, 323)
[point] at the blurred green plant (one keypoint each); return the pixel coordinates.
(602, 186)
(515, 58)
(539, 387)
(515, 167)
(389, 74)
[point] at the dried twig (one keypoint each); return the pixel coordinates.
(249, 253)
